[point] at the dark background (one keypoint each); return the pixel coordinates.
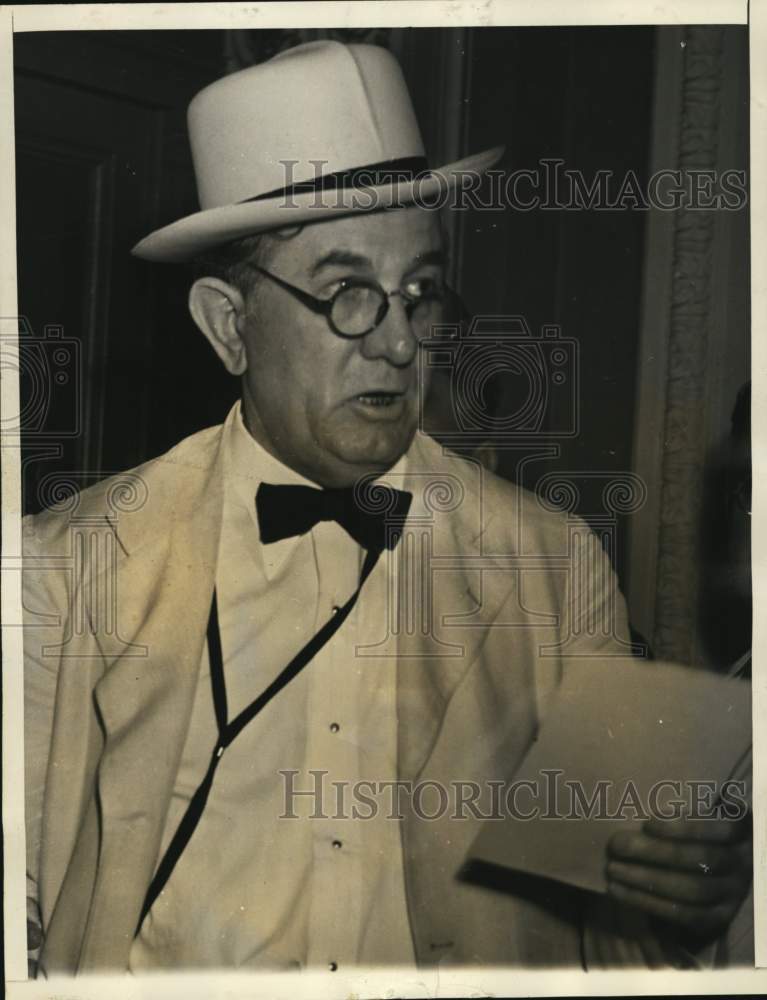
(103, 158)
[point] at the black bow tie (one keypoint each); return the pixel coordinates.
(373, 516)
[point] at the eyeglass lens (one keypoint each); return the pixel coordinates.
(357, 310)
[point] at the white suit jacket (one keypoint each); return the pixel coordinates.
(118, 588)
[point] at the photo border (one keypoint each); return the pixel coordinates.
(418, 13)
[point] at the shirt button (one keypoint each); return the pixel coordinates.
(334, 727)
(332, 966)
(337, 845)
(335, 609)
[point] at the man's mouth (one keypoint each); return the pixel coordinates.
(378, 398)
(380, 405)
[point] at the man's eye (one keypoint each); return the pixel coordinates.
(424, 288)
(329, 290)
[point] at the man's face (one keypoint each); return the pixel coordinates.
(331, 408)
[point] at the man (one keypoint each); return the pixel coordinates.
(314, 597)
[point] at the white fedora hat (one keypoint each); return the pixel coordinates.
(322, 129)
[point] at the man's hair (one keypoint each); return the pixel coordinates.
(232, 262)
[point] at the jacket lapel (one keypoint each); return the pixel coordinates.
(164, 589)
(451, 598)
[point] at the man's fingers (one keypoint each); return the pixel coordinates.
(675, 885)
(699, 918)
(642, 848)
(719, 831)
(694, 884)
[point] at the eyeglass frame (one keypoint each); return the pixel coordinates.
(324, 307)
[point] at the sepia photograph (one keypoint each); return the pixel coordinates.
(376, 429)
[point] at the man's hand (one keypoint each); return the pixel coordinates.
(690, 873)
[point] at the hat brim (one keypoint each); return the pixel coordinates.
(190, 236)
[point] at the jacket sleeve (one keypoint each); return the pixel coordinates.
(593, 620)
(44, 603)
(594, 616)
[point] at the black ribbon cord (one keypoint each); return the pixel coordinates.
(228, 731)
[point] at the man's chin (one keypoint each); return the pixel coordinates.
(366, 455)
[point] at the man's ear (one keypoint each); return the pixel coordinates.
(217, 308)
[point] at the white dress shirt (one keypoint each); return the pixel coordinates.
(252, 889)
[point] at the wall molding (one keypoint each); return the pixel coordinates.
(683, 334)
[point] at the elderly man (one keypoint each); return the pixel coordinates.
(314, 596)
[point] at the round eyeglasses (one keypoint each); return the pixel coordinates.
(359, 305)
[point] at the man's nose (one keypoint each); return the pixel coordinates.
(393, 339)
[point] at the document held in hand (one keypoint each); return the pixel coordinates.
(618, 745)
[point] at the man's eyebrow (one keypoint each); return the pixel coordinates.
(436, 257)
(340, 258)
(347, 258)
